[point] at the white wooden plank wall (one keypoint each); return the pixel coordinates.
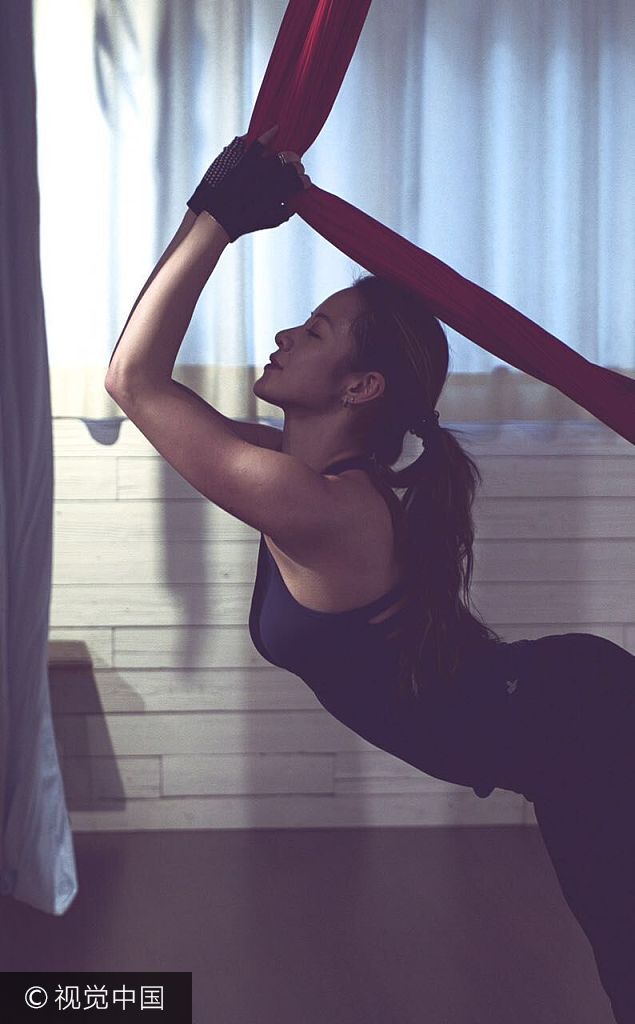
(165, 715)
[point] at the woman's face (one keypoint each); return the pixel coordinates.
(311, 358)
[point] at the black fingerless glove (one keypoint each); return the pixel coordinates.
(246, 189)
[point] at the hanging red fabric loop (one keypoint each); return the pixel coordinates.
(314, 46)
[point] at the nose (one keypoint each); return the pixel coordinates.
(282, 340)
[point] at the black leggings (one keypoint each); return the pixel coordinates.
(571, 738)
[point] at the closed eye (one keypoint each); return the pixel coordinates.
(312, 333)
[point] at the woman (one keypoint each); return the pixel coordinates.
(363, 593)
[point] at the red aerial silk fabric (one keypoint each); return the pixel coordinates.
(314, 46)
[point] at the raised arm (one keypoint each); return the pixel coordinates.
(183, 230)
(260, 434)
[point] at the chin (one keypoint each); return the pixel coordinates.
(260, 390)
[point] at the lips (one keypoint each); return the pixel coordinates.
(274, 362)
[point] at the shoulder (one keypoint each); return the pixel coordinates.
(360, 524)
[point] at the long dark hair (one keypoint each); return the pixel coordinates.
(397, 335)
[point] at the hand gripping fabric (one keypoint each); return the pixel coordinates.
(313, 48)
(246, 188)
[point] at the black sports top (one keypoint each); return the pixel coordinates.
(284, 631)
(351, 666)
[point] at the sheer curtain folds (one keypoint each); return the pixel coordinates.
(37, 859)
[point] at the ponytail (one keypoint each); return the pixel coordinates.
(396, 334)
(435, 547)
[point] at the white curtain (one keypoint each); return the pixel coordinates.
(37, 862)
(495, 134)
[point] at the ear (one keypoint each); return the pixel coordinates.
(369, 387)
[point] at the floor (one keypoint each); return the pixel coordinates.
(326, 926)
